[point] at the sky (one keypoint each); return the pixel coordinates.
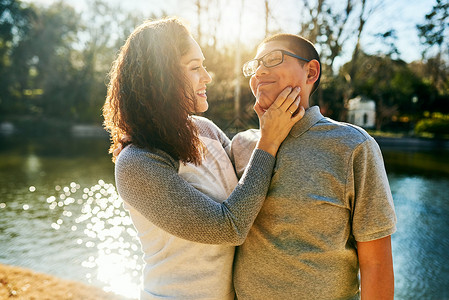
(400, 15)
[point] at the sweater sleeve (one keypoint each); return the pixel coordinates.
(150, 183)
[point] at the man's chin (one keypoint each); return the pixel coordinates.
(266, 97)
(263, 104)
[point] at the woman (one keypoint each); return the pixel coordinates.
(176, 178)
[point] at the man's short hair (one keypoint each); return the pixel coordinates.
(299, 46)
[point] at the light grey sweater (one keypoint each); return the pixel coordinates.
(149, 182)
(176, 268)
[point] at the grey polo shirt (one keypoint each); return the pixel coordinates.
(329, 189)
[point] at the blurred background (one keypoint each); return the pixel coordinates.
(385, 68)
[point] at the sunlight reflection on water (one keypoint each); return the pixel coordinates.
(60, 214)
(107, 230)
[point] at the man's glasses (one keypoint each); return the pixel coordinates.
(269, 60)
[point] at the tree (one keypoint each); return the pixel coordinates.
(105, 29)
(214, 22)
(43, 62)
(395, 86)
(267, 16)
(330, 26)
(434, 34)
(15, 23)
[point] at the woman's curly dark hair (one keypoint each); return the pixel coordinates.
(149, 98)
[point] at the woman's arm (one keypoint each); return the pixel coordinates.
(376, 269)
(150, 183)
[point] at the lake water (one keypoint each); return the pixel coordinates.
(60, 214)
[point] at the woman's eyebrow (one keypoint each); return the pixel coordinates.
(195, 59)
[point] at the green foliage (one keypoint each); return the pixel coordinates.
(15, 23)
(437, 124)
(434, 31)
(434, 35)
(54, 64)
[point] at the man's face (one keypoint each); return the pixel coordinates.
(267, 83)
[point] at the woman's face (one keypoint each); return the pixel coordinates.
(193, 67)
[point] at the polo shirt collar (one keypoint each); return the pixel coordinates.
(311, 117)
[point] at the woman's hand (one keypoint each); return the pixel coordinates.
(276, 122)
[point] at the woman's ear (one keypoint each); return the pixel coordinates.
(314, 70)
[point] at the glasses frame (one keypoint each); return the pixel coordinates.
(284, 52)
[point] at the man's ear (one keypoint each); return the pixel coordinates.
(313, 71)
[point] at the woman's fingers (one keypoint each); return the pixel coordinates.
(276, 122)
(299, 114)
(280, 99)
(287, 100)
(294, 106)
(290, 101)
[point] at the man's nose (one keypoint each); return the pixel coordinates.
(261, 69)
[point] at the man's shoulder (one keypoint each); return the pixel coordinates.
(245, 141)
(250, 135)
(348, 131)
(242, 146)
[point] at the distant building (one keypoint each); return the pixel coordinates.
(362, 112)
(7, 128)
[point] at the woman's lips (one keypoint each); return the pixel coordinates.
(201, 93)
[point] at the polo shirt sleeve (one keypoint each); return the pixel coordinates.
(373, 215)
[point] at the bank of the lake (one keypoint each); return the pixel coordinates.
(22, 283)
(412, 143)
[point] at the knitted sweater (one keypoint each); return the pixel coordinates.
(180, 210)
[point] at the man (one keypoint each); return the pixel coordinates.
(329, 211)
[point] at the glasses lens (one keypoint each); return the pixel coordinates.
(250, 67)
(272, 59)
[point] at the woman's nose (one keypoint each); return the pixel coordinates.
(206, 77)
